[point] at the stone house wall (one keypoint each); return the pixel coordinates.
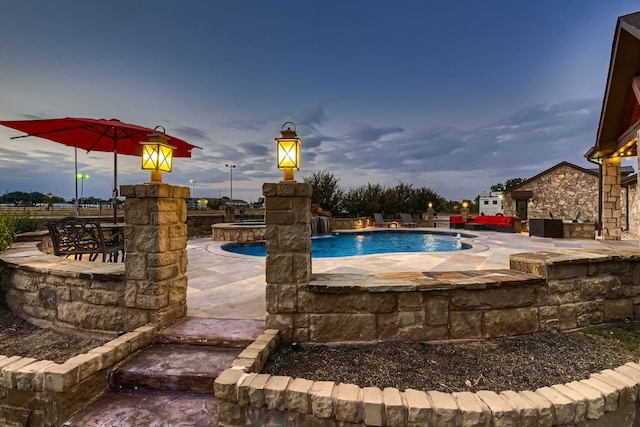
(564, 191)
(634, 209)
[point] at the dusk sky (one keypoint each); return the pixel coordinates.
(451, 95)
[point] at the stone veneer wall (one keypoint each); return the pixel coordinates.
(246, 232)
(563, 290)
(579, 230)
(288, 261)
(80, 296)
(634, 209)
(611, 199)
(105, 298)
(349, 223)
(156, 247)
(574, 289)
(563, 191)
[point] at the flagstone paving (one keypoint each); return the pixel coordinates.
(225, 285)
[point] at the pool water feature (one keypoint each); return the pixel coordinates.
(320, 226)
(366, 243)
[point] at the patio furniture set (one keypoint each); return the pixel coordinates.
(80, 237)
(504, 224)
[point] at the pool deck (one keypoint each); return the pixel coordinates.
(230, 286)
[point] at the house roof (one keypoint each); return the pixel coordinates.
(620, 116)
(624, 170)
(551, 169)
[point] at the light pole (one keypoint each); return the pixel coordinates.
(193, 183)
(82, 177)
(231, 182)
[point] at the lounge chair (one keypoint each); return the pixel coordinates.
(380, 222)
(407, 221)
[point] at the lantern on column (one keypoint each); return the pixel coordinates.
(157, 155)
(288, 151)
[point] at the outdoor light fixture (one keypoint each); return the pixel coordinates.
(157, 155)
(465, 205)
(288, 151)
(430, 205)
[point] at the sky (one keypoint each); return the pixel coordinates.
(455, 96)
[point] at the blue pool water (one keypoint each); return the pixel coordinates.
(365, 243)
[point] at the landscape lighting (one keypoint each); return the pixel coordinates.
(157, 155)
(288, 151)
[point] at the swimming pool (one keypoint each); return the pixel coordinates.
(366, 243)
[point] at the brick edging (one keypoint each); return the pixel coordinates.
(23, 373)
(242, 385)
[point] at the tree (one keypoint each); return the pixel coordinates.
(364, 200)
(326, 191)
(513, 183)
(508, 185)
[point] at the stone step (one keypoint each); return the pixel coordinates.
(173, 368)
(212, 332)
(150, 409)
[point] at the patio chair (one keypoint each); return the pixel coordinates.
(407, 221)
(77, 237)
(380, 222)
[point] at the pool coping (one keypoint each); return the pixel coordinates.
(466, 239)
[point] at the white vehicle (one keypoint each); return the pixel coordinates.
(491, 203)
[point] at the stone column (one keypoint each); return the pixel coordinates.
(611, 206)
(430, 222)
(288, 263)
(465, 214)
(156, 248)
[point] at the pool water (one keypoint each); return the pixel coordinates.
(366, 243)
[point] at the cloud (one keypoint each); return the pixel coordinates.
(311, 118)
(189, 132)
(367, 133)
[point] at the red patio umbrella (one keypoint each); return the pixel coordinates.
(96, 135)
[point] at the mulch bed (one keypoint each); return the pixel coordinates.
(20, 338)
(517, 363)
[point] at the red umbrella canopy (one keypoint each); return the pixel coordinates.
(96, 134)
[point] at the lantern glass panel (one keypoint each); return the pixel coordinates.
(288, 154)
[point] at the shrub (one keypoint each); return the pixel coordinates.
(11, 224)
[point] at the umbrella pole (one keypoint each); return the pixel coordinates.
(75, 177)
(114, 193)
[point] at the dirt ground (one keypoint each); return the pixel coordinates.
(520, 363)
(20, 338)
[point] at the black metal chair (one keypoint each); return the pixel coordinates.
(78, 237)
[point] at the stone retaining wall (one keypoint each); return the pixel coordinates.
(349, 223)
(247, 397)
(562, 290)
(82, 296)
(43, 393)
